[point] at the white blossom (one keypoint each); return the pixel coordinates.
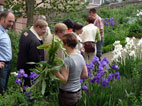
(132, 53)
(117, 52)
(116, 43)
(14, 73)
(140, 43)
(139, 13)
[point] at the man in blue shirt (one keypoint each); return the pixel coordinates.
(6, 22)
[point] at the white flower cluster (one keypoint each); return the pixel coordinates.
(118, 50)
(130, 47)
(139, 13)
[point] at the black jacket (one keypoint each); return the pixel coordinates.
(28, 51)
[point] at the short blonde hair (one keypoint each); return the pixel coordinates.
(60, 27)
(40, 23)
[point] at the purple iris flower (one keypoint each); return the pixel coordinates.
(81, 80)
(98, 80)
(95, 60)
(104, 82)
(18, 81)
(25, 87)
(90, 74)
(115, 67)
(112, 23)
(111, 19)
(90, 66)
(117, 75)
(106, 24)
(22, 73)
(106, 19)
(34, 82)
(105, 59)
(28, 95)
(101, 68)
(33, 75)
(100, 73)
(84, 87)
(109, 77)
(93, 80)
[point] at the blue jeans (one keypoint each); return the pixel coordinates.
(4, 76)
(99, 46)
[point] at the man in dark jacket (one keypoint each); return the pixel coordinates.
(28, 52)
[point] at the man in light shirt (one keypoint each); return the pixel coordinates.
(99, 23)
(6, 22)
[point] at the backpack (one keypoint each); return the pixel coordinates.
(89, 46)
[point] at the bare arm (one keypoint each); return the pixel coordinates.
(84, 73)
(63, 75)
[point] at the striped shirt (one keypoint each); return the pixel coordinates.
(99, 23)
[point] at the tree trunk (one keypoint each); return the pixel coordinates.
(30, 11)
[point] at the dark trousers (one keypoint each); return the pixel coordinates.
(4, 76)
(99, 46)
(69, 98)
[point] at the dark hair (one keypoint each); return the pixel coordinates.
(4, 14)
(90, 19)
(93, 10)
(68, 23)
(70, 40)
(77, 26)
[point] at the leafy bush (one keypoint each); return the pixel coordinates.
(15, 44)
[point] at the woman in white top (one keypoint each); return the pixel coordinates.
(77, 29)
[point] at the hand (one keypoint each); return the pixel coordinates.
(83, 50)
(2, 65)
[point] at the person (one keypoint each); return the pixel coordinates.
(7, 20)
(70, 86)
(69, 24)
(99, 23)
(28, 43)
(47, 37)
(78, 29)
(90, 34)
(59, 30)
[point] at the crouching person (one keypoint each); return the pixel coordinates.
(70, 86)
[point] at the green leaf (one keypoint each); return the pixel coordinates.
(35, 85)
(44, 46)
(35, 70)
(43, 86)
(55, 68)
(31, 63)
(53, 77)
(38, 63)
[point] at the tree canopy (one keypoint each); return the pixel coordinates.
(50, 8)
